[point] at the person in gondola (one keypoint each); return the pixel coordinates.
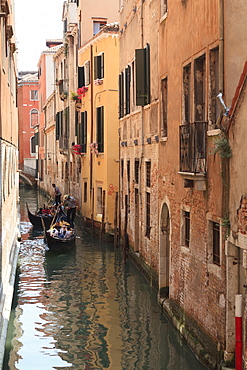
(71, 203)
(57, 194)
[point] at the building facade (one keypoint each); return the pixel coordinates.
(173, 193)
(9, 178)
(28, 116)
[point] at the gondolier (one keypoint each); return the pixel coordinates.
(71, 203)
(57, 194)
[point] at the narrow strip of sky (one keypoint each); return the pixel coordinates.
(35, 23)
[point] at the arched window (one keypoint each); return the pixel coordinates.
(34, 117)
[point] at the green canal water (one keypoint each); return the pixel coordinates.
(86, 310)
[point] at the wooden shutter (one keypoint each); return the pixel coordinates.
(96, 62)
(147, 74)
(101, 72)
(127, 90)
(140, 76)
(100, 129)
(81, 77)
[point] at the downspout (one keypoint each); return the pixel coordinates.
(221, 46)
(142, 115)
(91, 135)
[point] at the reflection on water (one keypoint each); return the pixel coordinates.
(87, 310)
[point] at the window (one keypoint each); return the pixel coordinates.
(100, 129)
(121, 94)
(164, 107)
(214, 108)
(99, 66)
(87, 73)
(33, 146)
(82, 134)
(137, 163)
(187, 93)
(216, 243)
(199, 89)
(148, 228)
(99, 200)
(85, 192)
(34, 95)
(128, 171)
(81, 77)
(187, 228)
(148, 174)
(83, 74)
(142, 65)
(34, 117)
(163, 6)
(98, 25)
(127, 90)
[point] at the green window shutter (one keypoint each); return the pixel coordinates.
(100, 129)
(140, 76)
(101, 65)
(84, 132)
(96, 68)
(142, 65)
(81, 77)
(127, 90)
(147, 74)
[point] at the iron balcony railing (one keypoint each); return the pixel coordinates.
(193, 138)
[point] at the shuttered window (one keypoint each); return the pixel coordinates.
(142, 57)
(127, 90)
(99, 66)
(100, 129)
(83, 133)
(81, 77)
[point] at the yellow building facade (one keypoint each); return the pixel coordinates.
(97, 126)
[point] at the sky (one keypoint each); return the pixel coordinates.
(36, 21)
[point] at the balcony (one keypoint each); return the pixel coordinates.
(193, 164)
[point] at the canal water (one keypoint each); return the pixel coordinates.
(86, 309)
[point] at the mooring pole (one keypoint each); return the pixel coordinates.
(238, 332)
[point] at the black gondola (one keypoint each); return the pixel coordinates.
(36, 220)
(56, 243)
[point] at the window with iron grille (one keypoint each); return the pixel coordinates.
(214, 108)
(128, 171)
(187, 93)
(148, 228)
(200, 89)
(148, 174)
(137, 164)
(186, 228)
(216, 243)
(164, 107)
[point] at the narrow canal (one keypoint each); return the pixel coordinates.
(86, 310)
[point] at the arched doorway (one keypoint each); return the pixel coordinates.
(164, 252)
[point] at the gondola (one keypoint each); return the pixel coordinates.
(56, 243)
(36, 220)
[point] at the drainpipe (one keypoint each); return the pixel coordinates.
(91, 136)
(142, 115)
(221, 46)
